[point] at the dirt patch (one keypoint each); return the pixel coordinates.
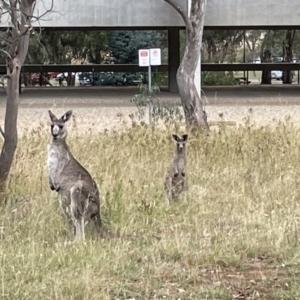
(99, 109)
(256, 280)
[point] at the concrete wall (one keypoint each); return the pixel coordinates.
(253, 13)
(111, 13)
(123, 13)
(157, 13)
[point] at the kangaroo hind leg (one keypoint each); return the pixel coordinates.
(92, 213)
(65, 208)
(78, 200)
(168, 190)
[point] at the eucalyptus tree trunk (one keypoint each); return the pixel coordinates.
(287, 45)
(190, 98)
(18, 41)
(266, 74)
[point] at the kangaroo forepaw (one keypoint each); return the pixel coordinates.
(53, 188)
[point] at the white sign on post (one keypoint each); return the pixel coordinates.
(155, 57)
(148, 58)
(144, 57)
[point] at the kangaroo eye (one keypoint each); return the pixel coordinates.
(61, 127)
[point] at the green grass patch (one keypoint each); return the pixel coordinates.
(238, 235)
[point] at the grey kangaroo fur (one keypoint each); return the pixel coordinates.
(79, 194)
(175, 181)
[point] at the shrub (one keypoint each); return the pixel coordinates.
(217, 78)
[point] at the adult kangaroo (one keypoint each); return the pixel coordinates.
(79, 195)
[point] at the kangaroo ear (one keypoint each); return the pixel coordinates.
(52, 116)
(185, 137)
(66, 117)
(175, 137)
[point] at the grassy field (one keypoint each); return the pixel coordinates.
(236, 238)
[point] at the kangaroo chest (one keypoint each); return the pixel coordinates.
(179, 163)
(58, 158)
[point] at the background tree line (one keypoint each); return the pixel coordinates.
(121, 47)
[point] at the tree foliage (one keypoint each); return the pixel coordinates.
(66, 47)
(124, 45)
(221, 45)
(69, 47)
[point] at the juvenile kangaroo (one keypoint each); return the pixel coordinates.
(79, 195)
(176, 179)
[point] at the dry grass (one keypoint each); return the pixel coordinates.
(237, 238)
(98, 119)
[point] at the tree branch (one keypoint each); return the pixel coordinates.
(293, 36)
(2, 132)
(37, 18)
(249, 46)
(182, 12)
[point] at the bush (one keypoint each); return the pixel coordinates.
(217, 78)
(161, 112)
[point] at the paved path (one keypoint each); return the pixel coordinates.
(119, 96)
(101, 108)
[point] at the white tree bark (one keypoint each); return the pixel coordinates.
(188, 74)
(197, 79)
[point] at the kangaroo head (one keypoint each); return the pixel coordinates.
(180, 142)
(58, 128)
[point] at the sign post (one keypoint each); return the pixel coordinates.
(150, 94)
(148, 58)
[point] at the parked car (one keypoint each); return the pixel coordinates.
(117, 78)
(62, 75)
(256, 60)
(36, 79)
(85, 78)
(276, 75)
(53, 74)
(65, 77)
